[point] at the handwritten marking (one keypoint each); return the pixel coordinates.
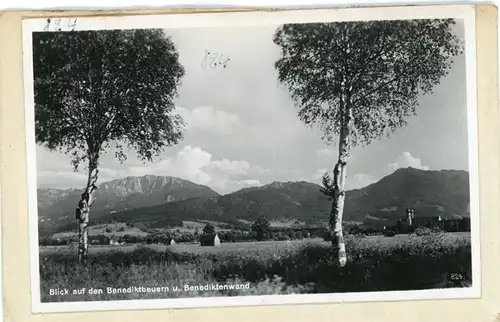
(60, 24)
(214, 60)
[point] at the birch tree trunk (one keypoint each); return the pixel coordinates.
(337, 211)
(83, 213)
(339, 179)
(83, 222)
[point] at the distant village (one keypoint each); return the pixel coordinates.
(261, 231)
(411, 222)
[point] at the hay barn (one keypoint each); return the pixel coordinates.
(170, 241)
(210, 240)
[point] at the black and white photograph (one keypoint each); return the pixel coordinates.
(252, 158)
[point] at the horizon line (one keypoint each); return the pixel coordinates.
(253, 186)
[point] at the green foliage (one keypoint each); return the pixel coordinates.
(380, 68)
(403, 228)
(95, 89)
(389, 233)
(209, 229)
(99, 240)
(93, 239)
(327, 186)
(129, 239)
(49, 241)
(424, 231)
(185, 238)
(357, 230)
(261, 228)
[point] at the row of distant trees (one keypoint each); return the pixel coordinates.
(187, 237)
(260, 231)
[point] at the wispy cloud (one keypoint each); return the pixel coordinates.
(407, 160)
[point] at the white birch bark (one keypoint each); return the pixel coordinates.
(84, 206)
(83, 220)
(339, 179)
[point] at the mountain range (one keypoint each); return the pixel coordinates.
(160, 202)
(56, 207)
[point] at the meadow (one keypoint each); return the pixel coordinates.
(403, 262)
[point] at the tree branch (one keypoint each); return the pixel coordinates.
(384, 51)
(384, 84)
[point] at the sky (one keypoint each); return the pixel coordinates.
(242, 127)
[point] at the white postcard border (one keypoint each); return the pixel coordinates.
(179, 20)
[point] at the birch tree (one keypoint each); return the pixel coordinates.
(360, 81)
(96, 90)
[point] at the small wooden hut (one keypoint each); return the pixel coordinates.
(210, 240)
(170, 241)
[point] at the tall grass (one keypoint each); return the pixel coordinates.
(413, 263)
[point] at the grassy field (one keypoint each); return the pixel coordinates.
(263, 245)
(375, 264)
(192, 248)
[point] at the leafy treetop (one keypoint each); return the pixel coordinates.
(98, 88)
(209, 229)
(386, 67)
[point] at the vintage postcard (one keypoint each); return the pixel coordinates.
(252, 158)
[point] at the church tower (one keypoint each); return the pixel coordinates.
(410, 215)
